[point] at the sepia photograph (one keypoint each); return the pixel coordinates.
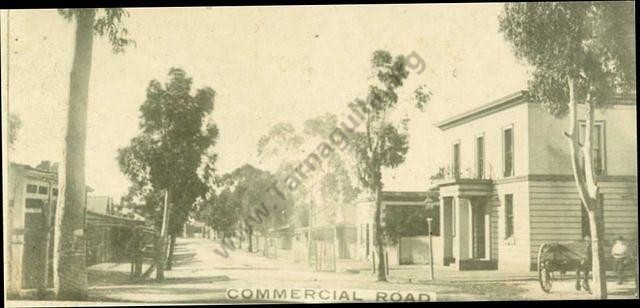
(319, 153)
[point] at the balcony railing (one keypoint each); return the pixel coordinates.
(449, 174)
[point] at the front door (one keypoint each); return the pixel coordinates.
(448, 232)
(34, 244)
(479, 230)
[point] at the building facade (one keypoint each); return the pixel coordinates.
(100, 204)
(30, 215)
(509, 185)
(410, 248)
(32, 195)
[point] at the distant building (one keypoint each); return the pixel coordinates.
(410, 249)
(332, 226)
(100, 204)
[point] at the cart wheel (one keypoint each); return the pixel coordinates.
(544, 272)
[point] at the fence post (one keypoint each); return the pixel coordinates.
(132, 254)
(317, 254)
(429, 220)
(386, 261)
(373, 261)
(334, 257)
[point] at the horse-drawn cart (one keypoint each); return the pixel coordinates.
(563, 257)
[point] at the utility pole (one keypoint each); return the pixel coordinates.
(160, 242)
(429, 220)
(309, 241)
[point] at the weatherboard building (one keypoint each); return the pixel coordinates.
(510, 185)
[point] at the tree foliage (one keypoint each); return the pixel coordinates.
(581, 53)
(591, 42)
(240, 203)
(250, 191)
(173, 148)
(333, 175)
(220, 211)
(14, 126)
(382, 143)
(405, 222)
(107, 22)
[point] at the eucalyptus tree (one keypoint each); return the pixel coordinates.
(70, 276)
(330, 170)
(582, 53)
(382, 143)
(255, 207)
(173, 148)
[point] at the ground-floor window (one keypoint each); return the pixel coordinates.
(508, 216)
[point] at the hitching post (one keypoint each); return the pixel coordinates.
(429, 220)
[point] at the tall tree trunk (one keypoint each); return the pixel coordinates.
(586, 182)
(159, 256)
(172, 247)
(161, 240)
(382, 273)
(250, 235)
(597, 252)
(70, 276)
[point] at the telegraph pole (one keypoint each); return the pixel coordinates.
(309, 242)
(160, 243)
(429, 220)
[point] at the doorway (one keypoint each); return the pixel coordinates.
(480, 228)
(448, 232)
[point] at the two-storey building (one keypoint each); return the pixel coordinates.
(511, 188)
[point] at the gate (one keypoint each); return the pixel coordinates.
(323, 256)
(270, 248)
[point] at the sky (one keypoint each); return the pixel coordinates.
(267, 65)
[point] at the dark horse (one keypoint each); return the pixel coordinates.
(584, 267)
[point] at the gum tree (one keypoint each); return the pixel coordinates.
(382, 144)
(582, 53)
(70, 276)
(332, 174)
(255, 208)
(174, 145)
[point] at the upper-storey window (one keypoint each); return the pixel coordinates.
(480, 157)
(32, 189)
(507, 151)
(456, 160)
(43, 190)
(598, 154)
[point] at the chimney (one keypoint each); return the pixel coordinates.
(44, 165)
(54, 168)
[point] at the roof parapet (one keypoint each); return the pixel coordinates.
(484, 110)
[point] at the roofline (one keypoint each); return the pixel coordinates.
(40, 174)
(395, 195)
(484, 110)
(509, 101)
(120, 218)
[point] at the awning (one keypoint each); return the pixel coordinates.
(105, 220)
